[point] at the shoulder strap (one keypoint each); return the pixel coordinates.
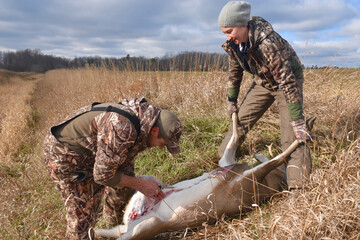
(134, 120)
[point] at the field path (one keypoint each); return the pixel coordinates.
(16, 90)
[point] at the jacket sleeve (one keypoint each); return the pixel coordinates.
(235, 78)
(279, 60)
(115, 136)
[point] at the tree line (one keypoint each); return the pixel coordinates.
(32, 60)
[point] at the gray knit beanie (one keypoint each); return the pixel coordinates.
(235, 14)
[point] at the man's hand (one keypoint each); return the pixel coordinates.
(150, 188)
(232, 108)
(301, 132)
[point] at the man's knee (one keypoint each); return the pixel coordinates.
(115, 201)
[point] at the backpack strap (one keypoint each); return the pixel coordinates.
(134, 120)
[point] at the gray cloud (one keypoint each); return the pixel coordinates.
(300, 15)
(154, 28)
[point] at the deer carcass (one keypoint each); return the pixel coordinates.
(229, 190)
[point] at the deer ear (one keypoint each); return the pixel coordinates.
(261, 158)
(310, 123)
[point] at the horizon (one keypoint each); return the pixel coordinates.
(38, 51)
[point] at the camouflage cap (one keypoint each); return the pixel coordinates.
(170, 129)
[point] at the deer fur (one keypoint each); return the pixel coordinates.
(229, 190)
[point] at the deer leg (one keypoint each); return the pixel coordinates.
(228, 157)
(113, 232)
(144, 229)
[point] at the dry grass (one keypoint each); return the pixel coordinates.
(14, 113)
(17, 144)
(327, 209)
(184, 92)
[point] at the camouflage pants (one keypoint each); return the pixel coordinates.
(254, 105)
(82, 196)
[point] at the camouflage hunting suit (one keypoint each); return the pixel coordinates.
(82, 179)
(278, 76)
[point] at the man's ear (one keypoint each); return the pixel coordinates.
(155, 131)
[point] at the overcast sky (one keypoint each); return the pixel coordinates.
(323, 32)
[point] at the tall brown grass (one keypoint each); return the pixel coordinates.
(15, 110)
(327, 209)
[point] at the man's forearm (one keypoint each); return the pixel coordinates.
(129, 181)
(148, 187)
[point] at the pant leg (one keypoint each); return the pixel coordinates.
(299, 163)
(257, 100)
(82, 200)
(115, 201)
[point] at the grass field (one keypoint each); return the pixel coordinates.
(328, 208)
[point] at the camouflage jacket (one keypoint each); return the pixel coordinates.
(112, 138)
(272, 61)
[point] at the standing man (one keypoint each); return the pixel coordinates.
(253, 46)
(91, 154)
